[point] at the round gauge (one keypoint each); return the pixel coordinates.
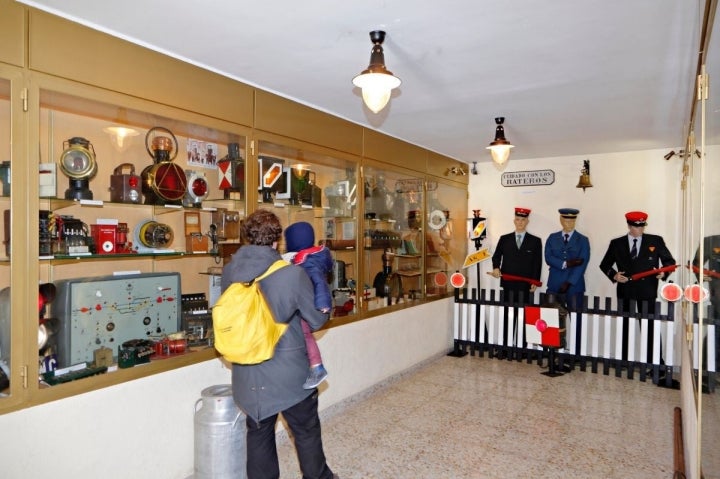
(437, 219)
(78, 159)
(441, 279)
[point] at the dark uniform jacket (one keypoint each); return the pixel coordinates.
(653, 254)
(524, 261)
(268, 388)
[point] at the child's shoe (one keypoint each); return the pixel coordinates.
(317, 375)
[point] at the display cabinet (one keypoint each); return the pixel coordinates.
(413, 235)
(136, 197)
(448, 227)
(393, 236)
(300, 182)
(9, 328)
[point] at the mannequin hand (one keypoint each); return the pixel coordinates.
(532, 288)
(620, 277)
(495, 273)
(574, 262)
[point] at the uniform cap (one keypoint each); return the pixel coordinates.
(636, 218)
(568, 212)
(524, 212)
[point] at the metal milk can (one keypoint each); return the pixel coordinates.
(220, 447)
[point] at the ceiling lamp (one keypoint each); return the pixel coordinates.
(119, 135)
(376, 81)
(500, 147)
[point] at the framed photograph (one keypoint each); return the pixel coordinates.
(201, 154)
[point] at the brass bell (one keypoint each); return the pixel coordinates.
(585, 176)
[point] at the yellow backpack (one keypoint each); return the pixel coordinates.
(244, 327)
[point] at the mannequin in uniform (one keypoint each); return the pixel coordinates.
(567, 253)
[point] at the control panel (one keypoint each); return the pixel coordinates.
(107, 311)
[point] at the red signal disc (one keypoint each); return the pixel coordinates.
(671, 292)
(695, 293)
(457, 279)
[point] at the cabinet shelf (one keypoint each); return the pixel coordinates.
(55, 204)
(65, 258)
(409, 273)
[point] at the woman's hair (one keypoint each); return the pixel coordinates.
(262, 228)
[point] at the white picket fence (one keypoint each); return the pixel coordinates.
(593, 336)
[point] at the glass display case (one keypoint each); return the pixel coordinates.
(704, 250)
(6, 323)
(414, 236)
(135, 203)
(448, 228)
(393, 237)
(300, 183)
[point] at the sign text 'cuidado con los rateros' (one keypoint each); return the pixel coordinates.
(528, 178)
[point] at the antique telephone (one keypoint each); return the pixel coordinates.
(163, 182)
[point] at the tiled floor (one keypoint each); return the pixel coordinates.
(485, 418)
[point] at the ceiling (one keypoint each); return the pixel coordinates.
(571, 77)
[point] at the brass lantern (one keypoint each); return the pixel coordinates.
(163, 182)
(78, 163)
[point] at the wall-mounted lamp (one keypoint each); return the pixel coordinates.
(376, 81)
(584, 176)
(500, 147)
(455, 170)
(474, 169)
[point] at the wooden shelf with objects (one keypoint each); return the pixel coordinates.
(141, 196)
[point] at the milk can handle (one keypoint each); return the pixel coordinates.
(196, 403)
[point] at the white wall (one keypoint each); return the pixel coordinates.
(144, 428)
(622, 182)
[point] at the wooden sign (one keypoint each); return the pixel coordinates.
(528, 178)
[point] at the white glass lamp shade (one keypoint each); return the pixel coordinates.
(376, 89)
(500, 153)
(120, 136)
